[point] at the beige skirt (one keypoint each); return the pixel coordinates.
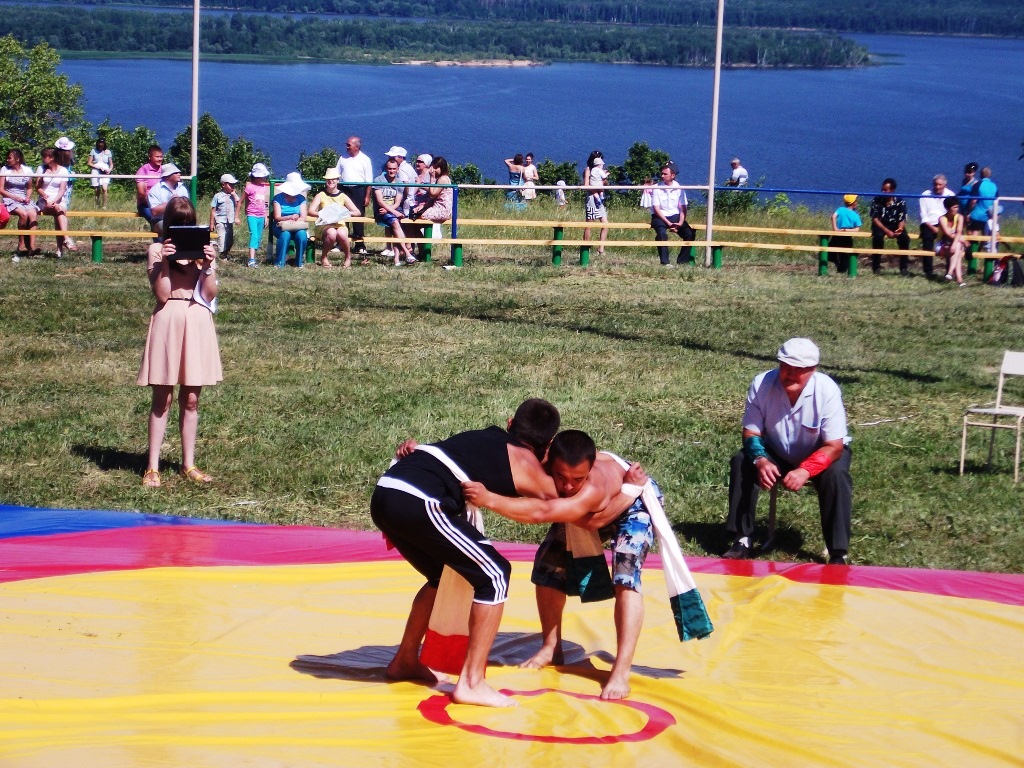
(181, 347)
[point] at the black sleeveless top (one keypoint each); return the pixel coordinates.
(482, 454)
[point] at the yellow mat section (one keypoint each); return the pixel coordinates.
(283, 666)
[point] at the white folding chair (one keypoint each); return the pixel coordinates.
(1013, 365)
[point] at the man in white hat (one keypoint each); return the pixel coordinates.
(224, 213)
(794, 431)
(160, 195)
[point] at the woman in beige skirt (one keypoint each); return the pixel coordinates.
(181, 347)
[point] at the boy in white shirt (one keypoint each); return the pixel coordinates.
(224, 213)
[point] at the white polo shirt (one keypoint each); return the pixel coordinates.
(668, 198)
(933, 206)
(355, 170)
(794, 432)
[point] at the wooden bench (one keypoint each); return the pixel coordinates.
(310, 256)
(97, 236)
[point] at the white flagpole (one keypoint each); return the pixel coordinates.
(714, 133)
(195, 87)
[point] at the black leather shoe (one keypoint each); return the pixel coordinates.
(838, 560)
(737, 552)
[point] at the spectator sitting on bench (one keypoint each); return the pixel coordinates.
(335, 234)
(289, 215)
(438, 204)
(51, 185)
(387, 209)
(889, 221)
(160, 195)
(147, 177)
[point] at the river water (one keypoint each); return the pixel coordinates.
(936, 104)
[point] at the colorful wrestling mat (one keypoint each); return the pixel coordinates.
(136, 640)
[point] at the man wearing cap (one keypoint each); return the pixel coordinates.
(160, 195)
(224, 213)
(932, 207)
(356, 171)
(794, 430)
(668, 214)
(968, 188)
(147, 177)
(739, 174)
(979, 219)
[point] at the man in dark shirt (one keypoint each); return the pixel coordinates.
(889, 221)
(419, 505)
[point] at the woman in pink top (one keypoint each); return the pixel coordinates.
(438, 203)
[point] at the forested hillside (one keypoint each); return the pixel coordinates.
(382, 40)
(955, 17)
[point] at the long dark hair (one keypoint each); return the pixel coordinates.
(441, 164)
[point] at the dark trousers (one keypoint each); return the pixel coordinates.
(357, 194)
(878, 239)
(835, 498)
(842, 260)
(927, 244)
(661, 231)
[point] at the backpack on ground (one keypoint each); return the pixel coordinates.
(1008, 271)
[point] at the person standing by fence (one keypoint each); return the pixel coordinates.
(889, 221)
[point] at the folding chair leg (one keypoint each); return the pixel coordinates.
(992, 442)
(963, 446)
(1016, 455)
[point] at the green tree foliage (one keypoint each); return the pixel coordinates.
(37, 105)
(215, 153)
(133, 32)
(128, 148)
(312, 166)
(549, 172)
(956, 17)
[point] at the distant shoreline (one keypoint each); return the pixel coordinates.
(471, 63)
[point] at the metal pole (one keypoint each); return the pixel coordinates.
(714, 134)
(195, 87)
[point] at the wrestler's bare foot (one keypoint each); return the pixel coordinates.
(545, 657)
(398, 670)
(481, 695)
(615, 689)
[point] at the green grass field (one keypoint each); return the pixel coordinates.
(326, 371)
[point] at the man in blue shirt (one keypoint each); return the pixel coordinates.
(794, 431)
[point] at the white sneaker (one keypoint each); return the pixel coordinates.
(60, 253)
(387, 253)
(15, 258)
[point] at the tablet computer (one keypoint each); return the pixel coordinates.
(188, 240)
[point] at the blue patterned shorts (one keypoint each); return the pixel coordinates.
(631, 535)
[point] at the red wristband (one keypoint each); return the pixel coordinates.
(816, 463)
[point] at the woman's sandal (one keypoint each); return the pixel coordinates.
(151, 478)
(196, 475)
